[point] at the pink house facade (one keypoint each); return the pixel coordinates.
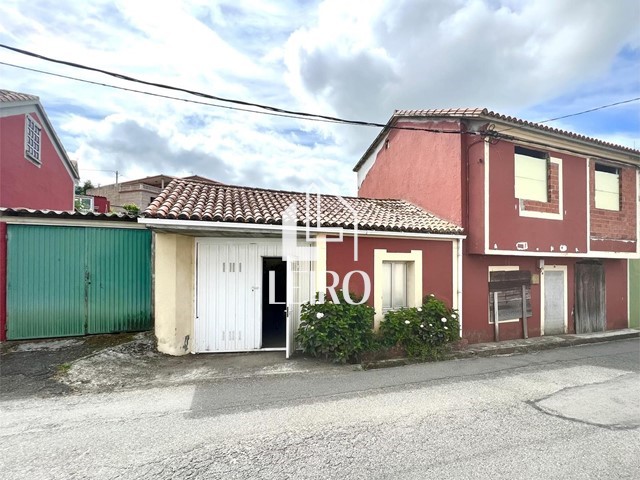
(35, 171)
(559, 208)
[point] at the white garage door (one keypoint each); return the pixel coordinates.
(228, 293)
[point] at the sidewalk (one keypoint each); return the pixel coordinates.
(524, 345)
(106, 363)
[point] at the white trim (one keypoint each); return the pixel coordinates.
(367, 165)
(321, 263)
(459, 283)
(201, 225)
(562, 268)
(545, 215)
(592, 254)
(414, 282)
(30, 158)
(628, 294)
(34, 106)
(486, 194)
(500, 268)
(67, 222)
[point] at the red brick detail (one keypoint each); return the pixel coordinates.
(609, 224)
(553, 194)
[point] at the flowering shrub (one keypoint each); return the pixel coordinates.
(336, 331)
(423, 331)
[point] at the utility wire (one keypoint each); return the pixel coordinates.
(269, 109)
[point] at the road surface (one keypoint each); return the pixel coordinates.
(564, 413)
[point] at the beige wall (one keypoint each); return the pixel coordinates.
(118, 195)
(174, 292)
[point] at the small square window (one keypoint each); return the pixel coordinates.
(394, 290)
(32, 139)
(607, 187)
(531, 171)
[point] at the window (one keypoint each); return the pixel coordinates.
(607, 187)
(394, 289)
(32, 139)
(531, 174)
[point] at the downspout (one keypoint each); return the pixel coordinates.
(459, 292)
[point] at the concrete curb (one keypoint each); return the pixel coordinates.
(512, 347)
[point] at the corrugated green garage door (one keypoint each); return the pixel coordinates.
(64, 281)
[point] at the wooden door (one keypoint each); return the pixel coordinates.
(590, 299)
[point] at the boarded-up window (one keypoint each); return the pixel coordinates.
(607, 187)
(508, 285)
(531, 174)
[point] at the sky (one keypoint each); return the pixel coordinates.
(358, 59)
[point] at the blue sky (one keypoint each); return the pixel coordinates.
(360, 59)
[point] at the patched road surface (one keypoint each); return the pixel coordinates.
(565, 413)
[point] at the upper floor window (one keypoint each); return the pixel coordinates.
(607, 187)
(32, 139)
(531, 167)
(394, 290)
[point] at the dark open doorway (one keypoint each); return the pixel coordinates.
(274, 318)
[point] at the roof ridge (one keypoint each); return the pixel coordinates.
(274, 190)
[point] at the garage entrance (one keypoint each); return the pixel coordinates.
(233, 310)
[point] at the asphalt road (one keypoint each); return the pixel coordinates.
(564, 413)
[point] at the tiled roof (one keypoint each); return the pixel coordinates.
(65, 214)
(9, 96)
(188, 200)
(486, 113)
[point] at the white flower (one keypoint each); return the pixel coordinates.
(443, 320)
(431, 295)
(407, 322)
(421, 326)
(312, 327)
(319, 315)
(446, 328)
(419, 309)
(431, 324)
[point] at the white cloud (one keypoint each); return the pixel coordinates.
(352, 59)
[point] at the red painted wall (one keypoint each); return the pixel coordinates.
(507, 227)
(614, 231)
(474, 200)
(24, 184)
(424, 166)
(101, 204)
(475, 301)
(437, 275)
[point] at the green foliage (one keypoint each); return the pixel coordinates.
(82, 189)
(336, 331)
(131, 208)
(423, 332)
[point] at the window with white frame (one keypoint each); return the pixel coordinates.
(394, 290)
(531, 167)
(32, 139)
(607, 187)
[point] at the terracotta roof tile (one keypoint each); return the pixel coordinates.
(189, 200)
(9, 96)
(486, 113)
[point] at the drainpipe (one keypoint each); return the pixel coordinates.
(459, 292)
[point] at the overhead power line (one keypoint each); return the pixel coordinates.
(262, 108)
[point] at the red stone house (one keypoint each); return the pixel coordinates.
(558, 207)
(35, 171)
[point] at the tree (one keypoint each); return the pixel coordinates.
(82, 189)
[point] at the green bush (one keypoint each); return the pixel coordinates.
(131, 209)
(336, 331)
(423, 332)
